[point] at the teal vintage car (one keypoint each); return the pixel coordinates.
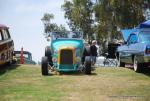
(66, 52)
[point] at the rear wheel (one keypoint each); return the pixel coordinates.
(10, 61)
(44, 66)
(87, 65)
(86, 52)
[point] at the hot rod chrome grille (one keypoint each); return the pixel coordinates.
(66, 57)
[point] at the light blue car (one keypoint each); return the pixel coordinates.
(136, 49)
(66, 53)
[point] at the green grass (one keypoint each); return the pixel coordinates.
(25, 82)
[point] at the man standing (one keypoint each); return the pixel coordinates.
(93, 49)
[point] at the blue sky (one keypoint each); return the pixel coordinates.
(23, 19)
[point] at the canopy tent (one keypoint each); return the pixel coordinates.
(145, 24)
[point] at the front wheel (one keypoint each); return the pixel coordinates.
(120, 64)
(87, 65)
(137, 66)
(48, 54)
(44, 66)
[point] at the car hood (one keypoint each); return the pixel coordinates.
(126, 32)
(77, 44)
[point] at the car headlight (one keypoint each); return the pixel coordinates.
(78, 59)
(54, 59)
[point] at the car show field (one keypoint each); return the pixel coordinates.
(75, 50)
(25, 82)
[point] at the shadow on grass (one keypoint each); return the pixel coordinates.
(77, 73)
(5, 68)
(146, 71)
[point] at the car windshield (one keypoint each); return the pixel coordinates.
(144, 36)
(24, 55)
(61, 35)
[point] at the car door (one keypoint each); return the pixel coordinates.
(131, 48)
(123, 53)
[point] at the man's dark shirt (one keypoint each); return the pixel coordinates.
(93, 50)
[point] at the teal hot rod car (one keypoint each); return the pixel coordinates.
(66, 53)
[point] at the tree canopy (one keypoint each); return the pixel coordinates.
(49, 26)
(103, 17)
(79, 15)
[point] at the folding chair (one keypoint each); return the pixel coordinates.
(110, 56)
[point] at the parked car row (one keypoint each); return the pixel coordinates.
(67, 51)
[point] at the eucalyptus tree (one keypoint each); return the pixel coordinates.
(46, 19)
(113, 14)
(49, 26)
(128, 13)
(79, 15)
